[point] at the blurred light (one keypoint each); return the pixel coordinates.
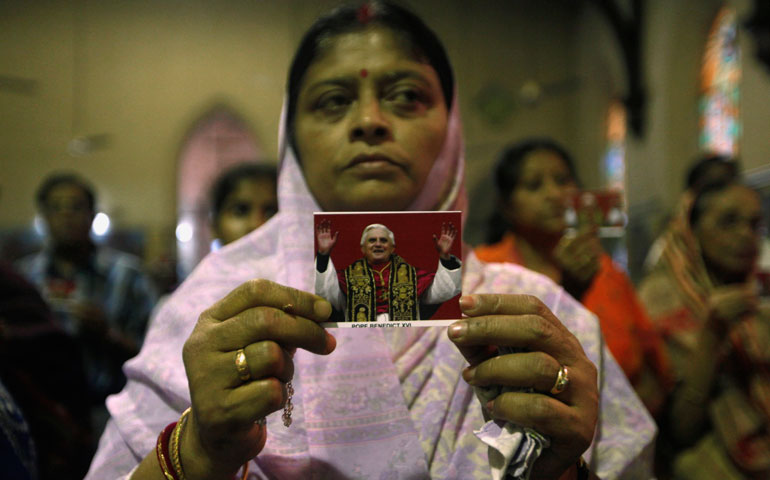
(101, 224)
(184, 232)
(216, 245)
(39, 225)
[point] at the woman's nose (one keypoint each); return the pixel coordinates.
(370, 124)
(553, 191)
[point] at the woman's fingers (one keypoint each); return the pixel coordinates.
(237, 409)
(520, 321)
(263, 310)
(267, 323)
(569, 429)
(523, 322)
(264, 293)
(535, 370)
(229, 390)
(545, 414)
(262, 360)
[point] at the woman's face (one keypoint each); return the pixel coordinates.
(370, 122)
(251, 203)
(728, 230)
(537, 202)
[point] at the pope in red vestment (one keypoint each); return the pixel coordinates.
(382, 286)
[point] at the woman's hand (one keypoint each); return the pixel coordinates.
(269, 321)
(728, 304)
(524, 322)
(692, 397)
(578, 258)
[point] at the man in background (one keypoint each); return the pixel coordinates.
(101, 297)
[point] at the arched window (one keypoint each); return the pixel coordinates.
(220, 139)
(720, 76)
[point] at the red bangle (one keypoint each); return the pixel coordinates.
(162, 451)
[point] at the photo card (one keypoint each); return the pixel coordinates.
(389, 269)
(597, 208)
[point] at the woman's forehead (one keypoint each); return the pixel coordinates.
(373, 51)
(541, 160)
(734, 198)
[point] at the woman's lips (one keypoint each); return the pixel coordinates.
(373, 162)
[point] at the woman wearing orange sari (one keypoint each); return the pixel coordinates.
(534, 179)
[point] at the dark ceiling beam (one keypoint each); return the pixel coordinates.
(628, 30)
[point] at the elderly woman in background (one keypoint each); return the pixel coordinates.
(534, 179)
(370, 117)
(703, 299)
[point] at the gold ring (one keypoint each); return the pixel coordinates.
(288, 308)
(562, 381)
(242, 366)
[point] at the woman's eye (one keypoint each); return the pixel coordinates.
(240, 209)
(268, 212)
(562, 180)
(333, 103)
(532, 185)
(406, 98)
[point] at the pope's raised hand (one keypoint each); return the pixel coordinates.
(324, 238)
(444, 242)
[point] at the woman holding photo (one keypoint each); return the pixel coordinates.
(535, 178)
(370, 116)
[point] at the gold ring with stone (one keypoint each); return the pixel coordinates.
(242, 366)
(562, 381)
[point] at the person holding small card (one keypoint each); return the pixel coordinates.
(368, 290)
(518, 387)
(535, 178)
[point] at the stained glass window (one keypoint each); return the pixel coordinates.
(614, 161)
(720, 76)
(613, 168)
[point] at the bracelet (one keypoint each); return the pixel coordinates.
(176, 459)
(167, 450)
(162, 452)
(245, 471)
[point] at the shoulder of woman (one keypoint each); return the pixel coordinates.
(658, 293)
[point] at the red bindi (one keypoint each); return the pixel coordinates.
(364, 14)
(364, 73)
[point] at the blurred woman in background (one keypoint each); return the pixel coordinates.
(534, 180)
(242, 199)
(703, 298)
